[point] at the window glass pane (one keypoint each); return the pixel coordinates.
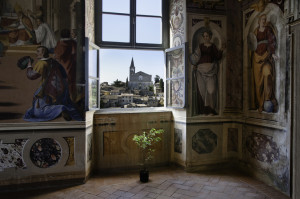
(119, 6)
(135, 76)
(148, 7)
(93, 63)
(93, 93)
(175, 93)
(148, 30)
(115, 28)
(175, 64)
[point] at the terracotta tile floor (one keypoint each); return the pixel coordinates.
(171, 182)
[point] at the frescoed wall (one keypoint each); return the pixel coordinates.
(177, 23)
(90, 20)
(40, 153)
(266, 144)
(206, 4)
(234, 61)
(39, 83)
(175, 74)
(178, 37)
(257, 138)
(207, 38)
(264, 59)
(11, 154)
(114, 132)
(177, 140)
(266, 151)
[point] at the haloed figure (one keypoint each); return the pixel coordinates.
(264, 67)
(205, 60)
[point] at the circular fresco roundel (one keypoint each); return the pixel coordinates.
(45, 153)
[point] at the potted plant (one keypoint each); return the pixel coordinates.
(146, 142)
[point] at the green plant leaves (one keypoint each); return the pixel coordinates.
(146, 141)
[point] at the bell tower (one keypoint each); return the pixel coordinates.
(131, 70)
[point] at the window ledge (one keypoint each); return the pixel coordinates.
(42, 126)
(131, 110)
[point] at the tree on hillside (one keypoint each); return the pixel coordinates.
(161, 84)
(151, 88)
(156, 79)
(126, 83)
(118, 83)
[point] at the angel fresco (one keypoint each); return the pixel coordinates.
(263, 44)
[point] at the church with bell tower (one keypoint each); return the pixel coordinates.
(139, 80)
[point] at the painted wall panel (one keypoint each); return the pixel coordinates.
(39, 83)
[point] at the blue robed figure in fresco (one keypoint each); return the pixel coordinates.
(52, 98)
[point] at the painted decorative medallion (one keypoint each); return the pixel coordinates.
(45, 153)
(204, 141)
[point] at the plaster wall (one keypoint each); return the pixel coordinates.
(266, 154)
(90, 20)
(39, 151)
(295, 37)
(178, 144)
(44, 154)
(114, 147)
(204, 145)
(178, 34)
(239, 135)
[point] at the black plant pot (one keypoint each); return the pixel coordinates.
(144, 175)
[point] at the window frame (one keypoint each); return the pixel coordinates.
(184, 48)
(88, 77)
(132, 23)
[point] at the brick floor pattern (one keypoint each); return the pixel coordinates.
(165, 183)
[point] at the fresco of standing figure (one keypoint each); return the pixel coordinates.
(205, 60)
(263, 65)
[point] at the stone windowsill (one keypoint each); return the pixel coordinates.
(42, 126)
(132, 110)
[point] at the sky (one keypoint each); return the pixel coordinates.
(115, 63)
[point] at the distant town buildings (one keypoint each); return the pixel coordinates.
(140, 92)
